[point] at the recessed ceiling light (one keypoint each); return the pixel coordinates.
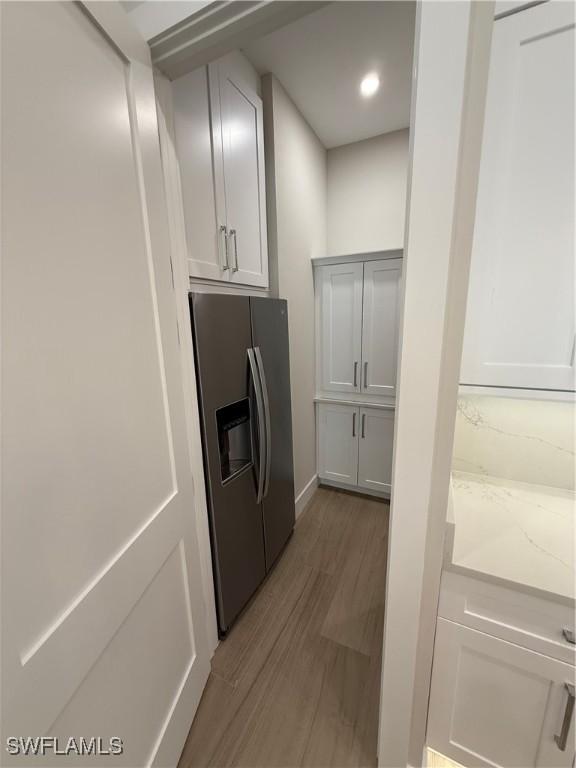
(369, 85)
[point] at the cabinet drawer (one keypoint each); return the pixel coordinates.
(517, 617)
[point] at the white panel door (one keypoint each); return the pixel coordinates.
(520, 329)
(239, 167)
(340, 287)
(493, 703)
(382, 293)
(205, 232)
(375, 449)
(102, 624)
(338, 427)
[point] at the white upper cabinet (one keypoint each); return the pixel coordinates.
(380, 315)
(204, 232)
(520, 329)
(238, 146)
(358, 326)
(340, 290)
(220, 148)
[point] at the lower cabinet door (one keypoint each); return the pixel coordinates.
(338, 427)
(493, 703)
(375, 449)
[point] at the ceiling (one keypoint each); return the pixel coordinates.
(320, 60)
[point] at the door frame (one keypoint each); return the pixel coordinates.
(447, 112)
(447, 109)
(179, 262)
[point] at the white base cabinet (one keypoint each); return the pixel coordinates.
(338, 443)
(493, 703)
(355, 446)
(375, 449)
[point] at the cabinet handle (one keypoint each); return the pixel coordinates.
(363, 425)
(354, 424)
(366, 374)
(562, 739)
(223, 231)
(355, 373)
(568, 635)
(233, 234)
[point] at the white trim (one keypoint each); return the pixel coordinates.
(305, 495)
(357, 403)
(396, 253)
(179, 256)
(557, 395)
(504, 8)
(355, 489)
(213, 286)
(217, 29)
(445, 141)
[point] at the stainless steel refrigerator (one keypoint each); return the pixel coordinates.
(243, 378)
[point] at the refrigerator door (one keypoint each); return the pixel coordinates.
(222, 336)
(270, 337)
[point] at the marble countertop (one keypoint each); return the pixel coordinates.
(517, 532)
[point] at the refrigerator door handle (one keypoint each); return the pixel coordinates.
(266, 420)
(262, 452)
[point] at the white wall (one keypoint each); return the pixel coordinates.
(367, 194)
(296, 184)
(446, 119)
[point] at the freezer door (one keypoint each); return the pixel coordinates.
(270, 336)
(221, 330)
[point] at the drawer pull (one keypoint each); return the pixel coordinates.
(562, 738)
(568, 635)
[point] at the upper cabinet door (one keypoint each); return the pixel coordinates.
(520, 320)
(239, 173)
(205, 232)
(382, 280)
(340, 287)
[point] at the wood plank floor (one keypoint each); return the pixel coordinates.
(296, 682)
